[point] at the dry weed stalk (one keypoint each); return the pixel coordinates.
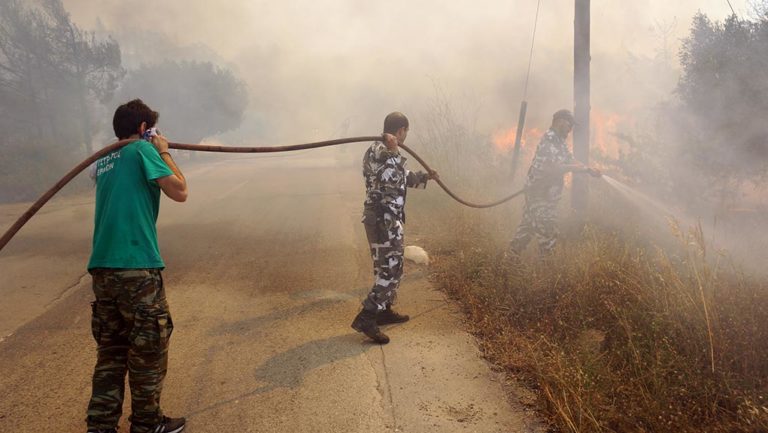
(683, 342)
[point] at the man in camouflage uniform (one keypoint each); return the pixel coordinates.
(386, 183)
(544, 186)
(131, 322)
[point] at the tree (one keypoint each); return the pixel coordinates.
(725, 87)
(699, 147)
(53, 76)
(195, 99)
(92, 66)
(48, 65)
(758, 9)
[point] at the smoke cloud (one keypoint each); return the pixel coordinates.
(316, 70)
(313, 66)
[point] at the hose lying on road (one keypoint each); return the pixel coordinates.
(212, 148)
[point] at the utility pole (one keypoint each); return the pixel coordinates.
(581, 61)
(518, 138)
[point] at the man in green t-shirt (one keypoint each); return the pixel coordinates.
(131, 321)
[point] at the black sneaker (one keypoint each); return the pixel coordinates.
(102, 430)
(389, 316)
(365, 322)
(168, 425)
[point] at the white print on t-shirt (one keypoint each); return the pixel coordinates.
(107, 163)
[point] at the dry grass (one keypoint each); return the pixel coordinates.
(623, 330)
(614, 334)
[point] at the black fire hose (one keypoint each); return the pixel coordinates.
(8, 235)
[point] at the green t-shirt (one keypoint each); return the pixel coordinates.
(127, 205)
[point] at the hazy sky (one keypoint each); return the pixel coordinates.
(333, 27)
(313, 63)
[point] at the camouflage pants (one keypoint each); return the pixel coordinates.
(539, 220)
(387, 254)
(132, 325)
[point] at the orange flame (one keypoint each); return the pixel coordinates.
(504, 140)
(604, 135)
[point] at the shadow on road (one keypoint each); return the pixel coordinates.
(288, 369)
(255, 325)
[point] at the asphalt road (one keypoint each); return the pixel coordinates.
(267, 264)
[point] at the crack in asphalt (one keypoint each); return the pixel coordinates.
(63, 294)
(378, 380)
(380, 388)
(389, 388)
(66, 291)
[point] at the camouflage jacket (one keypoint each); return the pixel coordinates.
(386, 181)
(552, 150)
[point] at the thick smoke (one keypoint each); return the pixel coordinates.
(310, 66)
(316, 70)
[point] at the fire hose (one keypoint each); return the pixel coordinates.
(8, 235)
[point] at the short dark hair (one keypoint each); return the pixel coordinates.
(394, 121)
(128, 118)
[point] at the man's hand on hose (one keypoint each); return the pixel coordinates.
(390, 141)
(594, 172)
(161, 143)
(576, 168)
(432, 175)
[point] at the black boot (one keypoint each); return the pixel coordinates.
(365, 322)
(389, 316)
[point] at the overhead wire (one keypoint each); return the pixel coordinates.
(530, 55)
(524, 101)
